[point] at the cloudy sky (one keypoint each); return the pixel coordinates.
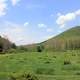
(31, 21)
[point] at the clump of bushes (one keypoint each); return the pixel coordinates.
(24, 77)
(73, 54)
(12, 78)
(78, 73)
(47, 62)
(22, 49)
(40, 48)
(30, 77)
(54, 56)
(12, 51)
(67, 62)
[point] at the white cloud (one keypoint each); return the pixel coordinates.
(77, 12)
(13, 31)
(3, 7)
(15, 2)
(63, 19)
(42, 26)
(26, 23)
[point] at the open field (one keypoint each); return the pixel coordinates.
(46, 65)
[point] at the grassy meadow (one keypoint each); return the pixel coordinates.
(45, 65)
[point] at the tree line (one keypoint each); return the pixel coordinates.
(56, 45)
(5, 44)
(61, 44)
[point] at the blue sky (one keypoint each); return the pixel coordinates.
(31, 21)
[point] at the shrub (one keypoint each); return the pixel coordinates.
(29, 76)
(12, 51)
(54, 56)
(78, 73)
(13, 46)
(47, 62)
(67, 62)
(24, 77)
(40, 48)
(21, 48)
(12, 78)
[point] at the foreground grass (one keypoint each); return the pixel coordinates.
(46, 65)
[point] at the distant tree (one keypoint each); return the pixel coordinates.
(5, 44)
(40, 48)
(22, 48)
(1, 48)
(13, 46)
(0, 37)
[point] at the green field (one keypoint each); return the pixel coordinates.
(45, 65)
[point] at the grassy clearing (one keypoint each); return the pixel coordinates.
(46, 65)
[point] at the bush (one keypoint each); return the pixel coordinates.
(67, 62)
(24, 77)
(78, 73)
(21, 48)
(30, 77)
(12, 78)
(12, 51)
(13, 46)
(47, 62)
(40, 48)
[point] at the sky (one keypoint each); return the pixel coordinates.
(33, 21)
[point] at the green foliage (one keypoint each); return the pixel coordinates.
(21, 48)
(40, 48)
(24, 77)
(13, 46)
(10, 51)
(5, 44)
(67, 62)
(12, 78)
(78, 73)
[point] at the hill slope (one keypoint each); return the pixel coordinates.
(69, 39)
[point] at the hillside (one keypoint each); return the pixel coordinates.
(69, 39)
(49, 65)
(71, 33)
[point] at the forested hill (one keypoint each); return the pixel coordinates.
(67, 40)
